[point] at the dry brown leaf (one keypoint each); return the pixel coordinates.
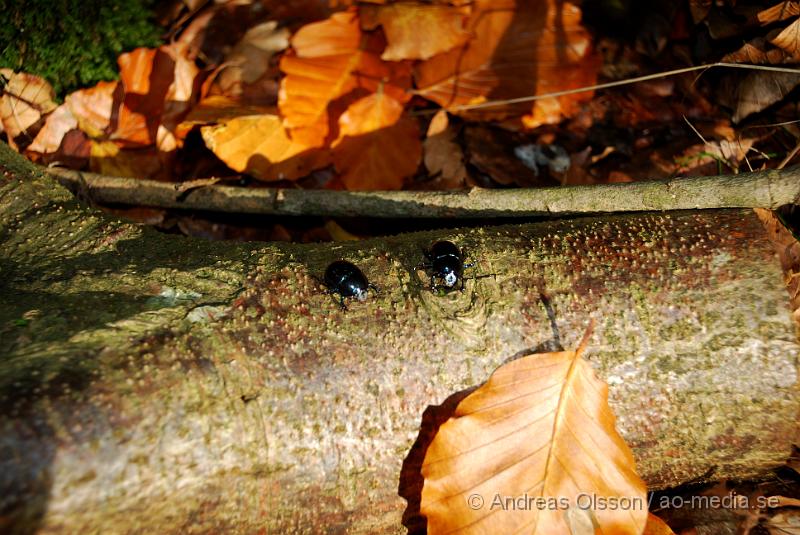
(444, 158)
(377, 147)
(95, 106)
(519, 49)
(25, 100)
(250, 58)
(789, 39)
(781, 11)
(180, 96)
(758, 90)
(258, 145)
(787, 523)
(699, 9)
(533, 450)
(215, 109)
(313, 80)
(758, 51)
(52, 133)
(416, 31)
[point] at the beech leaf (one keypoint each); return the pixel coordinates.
(314, 80)
(25, 99)
(377, 147)
(533, 450)
(417, 31)
(258, 145)
(520, 49)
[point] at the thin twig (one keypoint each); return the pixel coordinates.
(764, 189)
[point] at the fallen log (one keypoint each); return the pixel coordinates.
(160, 384)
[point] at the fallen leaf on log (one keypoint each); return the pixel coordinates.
(534, 449)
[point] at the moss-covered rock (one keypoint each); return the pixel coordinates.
(73, 43)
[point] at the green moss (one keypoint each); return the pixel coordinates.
(73, 43)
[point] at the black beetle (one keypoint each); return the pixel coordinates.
(445, 262)
(344, 278)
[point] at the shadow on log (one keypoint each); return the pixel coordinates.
(164, 384)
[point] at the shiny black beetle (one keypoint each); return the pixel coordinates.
(445, 262)
(344, 278)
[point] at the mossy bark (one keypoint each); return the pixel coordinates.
(163, 384)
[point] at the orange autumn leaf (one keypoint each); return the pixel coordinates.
(337, 35)
(313, 81)
(540, 430)
(416, 31)
(258, 145)
(656, 526)
(94, 107)
(25, 99)
(179, 98)
(377, 147)
(49, 138)
(519, 49)
(149, 78)
(215, 109)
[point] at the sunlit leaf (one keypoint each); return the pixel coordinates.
(539, 430)
(416, 31)
(25, 100)
(519, 49)
(377, 147)
(94, 107)
(179, 98)
(214, 109)
(258, 145)
(159, 85)
(313, 81)
(334, 36)
(52, 133)
(789, 39)
(780, 11)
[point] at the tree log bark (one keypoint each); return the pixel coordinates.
(161, 384)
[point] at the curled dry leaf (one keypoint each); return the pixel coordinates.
(758, 51)
(534, 450)
(95, 106)
(519, 49)
(377, 147)
(789, 40)
(780, 11)
(25, 100)
(417, 31)
(258, 145)
(179, 98)
(250, 58)
(151, 78)
(322, 70)
(52, 133)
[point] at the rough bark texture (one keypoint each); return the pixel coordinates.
(160, 384)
